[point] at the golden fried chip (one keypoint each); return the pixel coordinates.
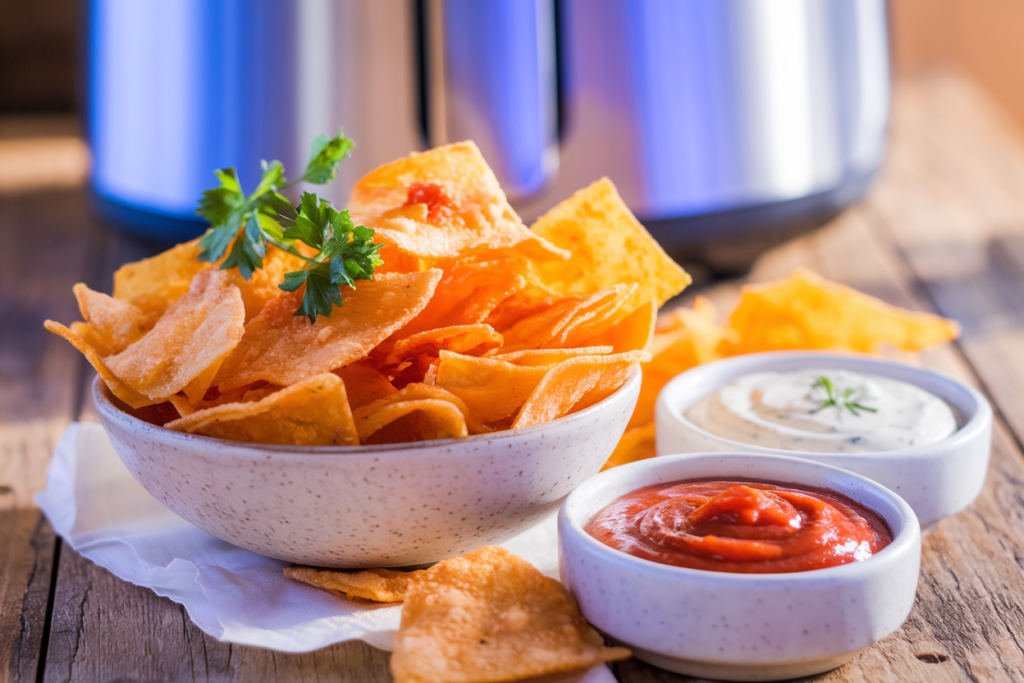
(372, 417)
(155, 283)
(636, 444)
(608, 246)
(113, 324)
(364, 384)
(493, 389)
(488, 617)
(314, 412)
(409, 359)
(376, 585)
(537, 357)
(262, 285)
(405, 421)
(576, 384)
(182, 405)
(633, 333)
(442, 203)
(567, 322)
(690, 337)
(282, 348)
(470, 340)
(805, 311)
(117, 387)
(469, 291)
(599, 320)
(195, 333)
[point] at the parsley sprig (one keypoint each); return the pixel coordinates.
(245, 224)
(839, 398)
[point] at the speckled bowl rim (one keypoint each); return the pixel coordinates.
(903, 538)
(978, 413)
(102, 396)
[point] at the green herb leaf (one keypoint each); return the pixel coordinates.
(245, 225)
(347, 253)
(248, 250)
(327, 155)
(217, 205)
(839, 399)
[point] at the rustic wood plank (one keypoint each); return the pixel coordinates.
(107, 629)
(950, 197)
(47, 241)
(26, 565)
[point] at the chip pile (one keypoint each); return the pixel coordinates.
(474, 323)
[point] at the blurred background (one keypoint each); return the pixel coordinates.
(681, 104)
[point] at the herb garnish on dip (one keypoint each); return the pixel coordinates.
(818, 410)
(741, 527)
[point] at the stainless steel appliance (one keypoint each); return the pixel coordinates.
(726, 124)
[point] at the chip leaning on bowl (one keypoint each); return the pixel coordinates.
(474, 322)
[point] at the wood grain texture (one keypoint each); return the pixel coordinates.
(950, 198)
(48, 241)
(105, 630)
(27, 547)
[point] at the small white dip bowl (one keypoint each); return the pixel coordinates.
(388, 505)
(739, 627)
(937, 479)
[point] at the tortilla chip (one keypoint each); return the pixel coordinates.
(470, 340)
(155, 283)
(314, 412)
(576, 384)
(636, 444)
(538, 357)
(195, 333)
(117, 387)
(113, 324)
(262, 287)
(469, 291)
(406, 421)
(493, 389)
(442, 203)
(375, 585)
(567, 322)
(690, 337)
(409, 359)
(633, 333)
(282, 348)
(805, 311)
(158, 414)
(181, 405)
(608, 246)
(373, 417)
(490, 616)
(364, 384)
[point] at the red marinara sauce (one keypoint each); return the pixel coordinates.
(741, 527)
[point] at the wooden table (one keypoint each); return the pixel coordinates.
(943, 230)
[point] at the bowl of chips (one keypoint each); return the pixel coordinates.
(384, 505)
(399, 382)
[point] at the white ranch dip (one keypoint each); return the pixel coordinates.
(848, 413)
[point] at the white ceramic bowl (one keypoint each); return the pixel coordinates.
(370, 506)
(937, 479)
(739, 627)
